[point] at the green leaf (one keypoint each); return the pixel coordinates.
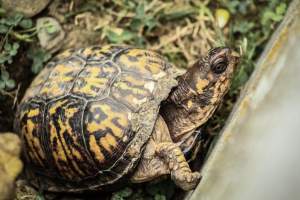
(15, 45)
(10, 84)
(233, 6)
(26, 23)
(140, 10)
(269, 16)
(280, 9)
(121, 194)
(2, 85)
(40, 197)
(3, 58)
(159, 197)
(2, 11)
(243, 26)
(119, 36)
(178, 13)
(14, 20)
(39, 58)
(3, 29)
(9, 60)
(136, 24)
(7, 46)
(51, 29)
(4, 75)
(240, 78)
(14, 50)
(150, 23)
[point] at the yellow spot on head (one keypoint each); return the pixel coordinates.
(201, 84)
(189, 103)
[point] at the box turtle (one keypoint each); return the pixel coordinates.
(97, 117)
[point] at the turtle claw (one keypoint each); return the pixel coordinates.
(186, 180)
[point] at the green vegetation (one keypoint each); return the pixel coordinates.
(181, 31)
(17, 31)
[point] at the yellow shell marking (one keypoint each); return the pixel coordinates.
(64, 127)
(33, 142)
(58, 104)
(59, 154)
(147, 62)
(133, 90)
(108, 121)
(108, 141)
(36, 84)
(64, 54)
(74, 152)
(58, 82)
(96, 149)
(111, 140)
(134, 80)
(95, 78)
(33, 113)
(87, 52)
(92, 127)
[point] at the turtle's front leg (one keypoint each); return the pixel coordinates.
(181, 173)
(162, 156)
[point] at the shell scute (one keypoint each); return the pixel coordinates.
(94, 80)
(132, 90)
(65, 140)
(107, 131)
(145, 63)
(61, 79)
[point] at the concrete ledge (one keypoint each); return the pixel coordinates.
(258, 153)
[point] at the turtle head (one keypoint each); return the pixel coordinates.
(212, 74)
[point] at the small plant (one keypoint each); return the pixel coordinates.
(16, 31)
(10, 44)
(39, 57)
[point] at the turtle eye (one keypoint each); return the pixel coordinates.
(219, 66)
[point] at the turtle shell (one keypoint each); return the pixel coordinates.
(87, 116)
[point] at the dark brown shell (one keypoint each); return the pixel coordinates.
(87, 116)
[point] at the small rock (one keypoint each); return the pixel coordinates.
(28, 8)
(50, 33)
(79, 37)
(10, 164)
